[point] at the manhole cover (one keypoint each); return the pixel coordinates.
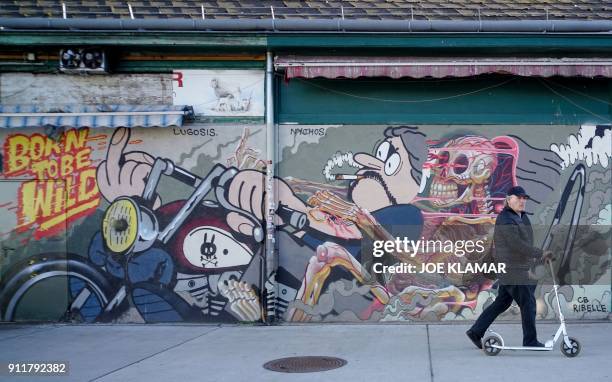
(307, 364)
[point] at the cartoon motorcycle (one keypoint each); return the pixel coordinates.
(179, 262)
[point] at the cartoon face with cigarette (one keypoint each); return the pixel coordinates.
(393, 174)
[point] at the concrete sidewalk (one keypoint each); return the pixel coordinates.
(379, 352)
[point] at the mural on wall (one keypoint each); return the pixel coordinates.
(162, 225)
(152, 243)
(220, 92)
(438, 184)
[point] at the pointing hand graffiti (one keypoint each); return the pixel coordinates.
(124, 174)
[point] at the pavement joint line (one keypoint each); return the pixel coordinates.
(46, 328)
(154, 354)
(431, 372)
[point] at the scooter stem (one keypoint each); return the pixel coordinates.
(552, 273)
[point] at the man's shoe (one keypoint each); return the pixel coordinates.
(538, 344)
(476, 339)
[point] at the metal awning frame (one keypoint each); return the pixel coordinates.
(106, 114)
(110, 116)
(331, 67)
(444, 63)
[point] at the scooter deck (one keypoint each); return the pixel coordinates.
(522, 348)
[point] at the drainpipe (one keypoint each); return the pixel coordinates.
(269, 273)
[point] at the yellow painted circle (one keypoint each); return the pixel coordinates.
(120, 225)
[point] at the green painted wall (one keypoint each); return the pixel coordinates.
(482, 100)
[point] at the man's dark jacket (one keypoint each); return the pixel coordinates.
(513, 240)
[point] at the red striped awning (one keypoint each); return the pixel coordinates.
(422, 67)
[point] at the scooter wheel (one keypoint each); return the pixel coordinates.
(489, 342)
(573, 350)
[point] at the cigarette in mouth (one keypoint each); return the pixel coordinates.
(347, 177)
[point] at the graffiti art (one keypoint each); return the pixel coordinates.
(168, 224)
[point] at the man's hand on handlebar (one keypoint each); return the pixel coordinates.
(247, 192)
(547, 256)
(124, 174)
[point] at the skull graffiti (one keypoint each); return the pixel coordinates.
(461, 169)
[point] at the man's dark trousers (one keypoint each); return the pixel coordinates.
(524, 297)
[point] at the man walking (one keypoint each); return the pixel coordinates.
(513, 238)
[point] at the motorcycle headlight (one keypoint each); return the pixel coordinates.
(120, 225)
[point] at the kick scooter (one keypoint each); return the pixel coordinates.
(570, 347)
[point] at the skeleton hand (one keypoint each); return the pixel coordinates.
(243, 301)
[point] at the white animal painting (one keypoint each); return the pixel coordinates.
(228, 99)
(220, 92)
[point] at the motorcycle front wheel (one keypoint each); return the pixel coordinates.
(54, 287)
